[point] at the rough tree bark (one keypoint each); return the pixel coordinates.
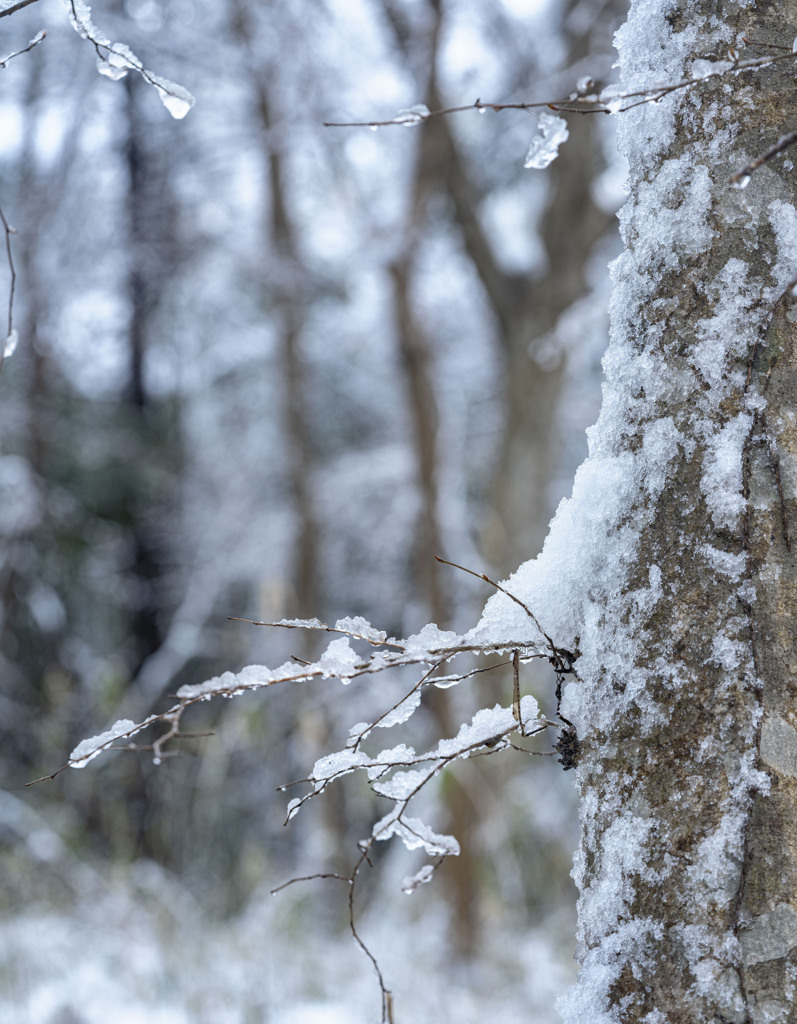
(682, 597)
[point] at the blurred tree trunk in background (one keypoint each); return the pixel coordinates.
(524, 311)
(152, 260)
(287, 291)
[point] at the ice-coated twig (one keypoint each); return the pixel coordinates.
(357, 738)
(256, 677)
(114, 60)
(365, 632)
(397, 773)
(487, 732)
(489, 728)
(38, 38)
(11, 337)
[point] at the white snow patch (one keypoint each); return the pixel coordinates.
(721, 482)
(89, 748)
(339, 659)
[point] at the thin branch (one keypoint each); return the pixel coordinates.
(742, 176)
(599, 103)
(351, 881)
(320, 627)
(9, 255)
(424, 678)
(523, 605)
(516, 710)
(126, 60)
(310, 878)
(38, 38)
(14, 7)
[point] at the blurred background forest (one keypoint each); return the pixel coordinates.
(266, 369)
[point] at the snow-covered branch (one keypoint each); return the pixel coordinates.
(397, 773)
(431, 647)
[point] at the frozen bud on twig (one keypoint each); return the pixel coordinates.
(585, 85)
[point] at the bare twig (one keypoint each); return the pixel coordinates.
(742, 176)
(14, 7)
(516, 711)
(351, 881)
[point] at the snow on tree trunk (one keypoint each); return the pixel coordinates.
(669, 572)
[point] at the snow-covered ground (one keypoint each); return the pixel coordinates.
(134, 946)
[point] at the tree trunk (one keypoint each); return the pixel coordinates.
(676, 551)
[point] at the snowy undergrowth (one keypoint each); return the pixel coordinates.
(135, 946)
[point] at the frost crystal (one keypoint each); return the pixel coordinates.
(333, 765)
(401, 712)
(544, 149)
(177, 100)
(485, 726)
(584, 85)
